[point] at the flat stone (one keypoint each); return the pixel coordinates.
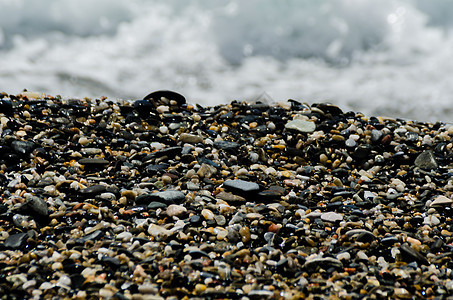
(441, 201)
(168, 197)
(35, 206)
(156, 231)
(23, 147)
(16, 241)
(325, 263)
(426, 160)
(241, 186)
(230, 198)
(331, 217)
(301, 125)
(409, 254)
(94, 190)
(93, 161)
(190, 138)
(226, 145)
(174, 210)
(156, 205)
(361, 235)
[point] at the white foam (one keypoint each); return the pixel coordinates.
(388, 57)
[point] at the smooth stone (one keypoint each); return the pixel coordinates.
(190, 138)
(124, 236)
(154, 169)
(92, 236)
(301, 125)
(226, 145)
(174, 210)
(361, 235)
(350, 143)
(93, 161)
(170, 95)
(242, 186)
(156, 205)
(35, 206)
(441, 200)
(325, 263)
(431, 220)
(260, 293)
(169, 197)
(426, 160)
(409, 254)
(16, 241)
(23, 147)
(94, 190)
(331, 217)
(230, 198)
(220, 220)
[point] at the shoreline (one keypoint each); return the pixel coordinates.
(157, 198)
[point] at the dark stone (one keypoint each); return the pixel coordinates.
(361, 235)
(195, 219)
(156, 205)
(143, 107)
(23, 147)
(241, 186)
(6, 107)
(389, 240)
(94, 236)
(324, 263)
(93, 161)
(16, 241)
(111, 262)
(93, 190)
(409, 254)
(155, 97)
(227, 145)
(167, 197)
(426, 160)
(155, 169)
(35, 207)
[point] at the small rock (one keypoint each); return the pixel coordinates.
(241, 186)
(441, 201)
(190, 138)
(426, 160)
(301, 125)
(174, 210)
(168, 197)
(331, 217)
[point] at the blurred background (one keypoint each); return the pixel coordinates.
(389, 57)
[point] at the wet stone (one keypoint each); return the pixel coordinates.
(16, 241)
(301, 125)
(93, 190)
(168, 197)
(35, 206)
(409, 254)
(331, 217)
(93, 162)
(324, 263)
(241, 186)
(426, 160)
(227, 145)
(23, 147)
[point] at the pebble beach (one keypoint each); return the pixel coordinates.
(158, 198)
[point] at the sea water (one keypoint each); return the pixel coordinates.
(387, 57)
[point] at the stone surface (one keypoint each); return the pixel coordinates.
(426, 160)
(301, 125)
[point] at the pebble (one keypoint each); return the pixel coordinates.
(174, 210)
(331, 217)
(158, 198)
(301, 125)
(426, 160)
